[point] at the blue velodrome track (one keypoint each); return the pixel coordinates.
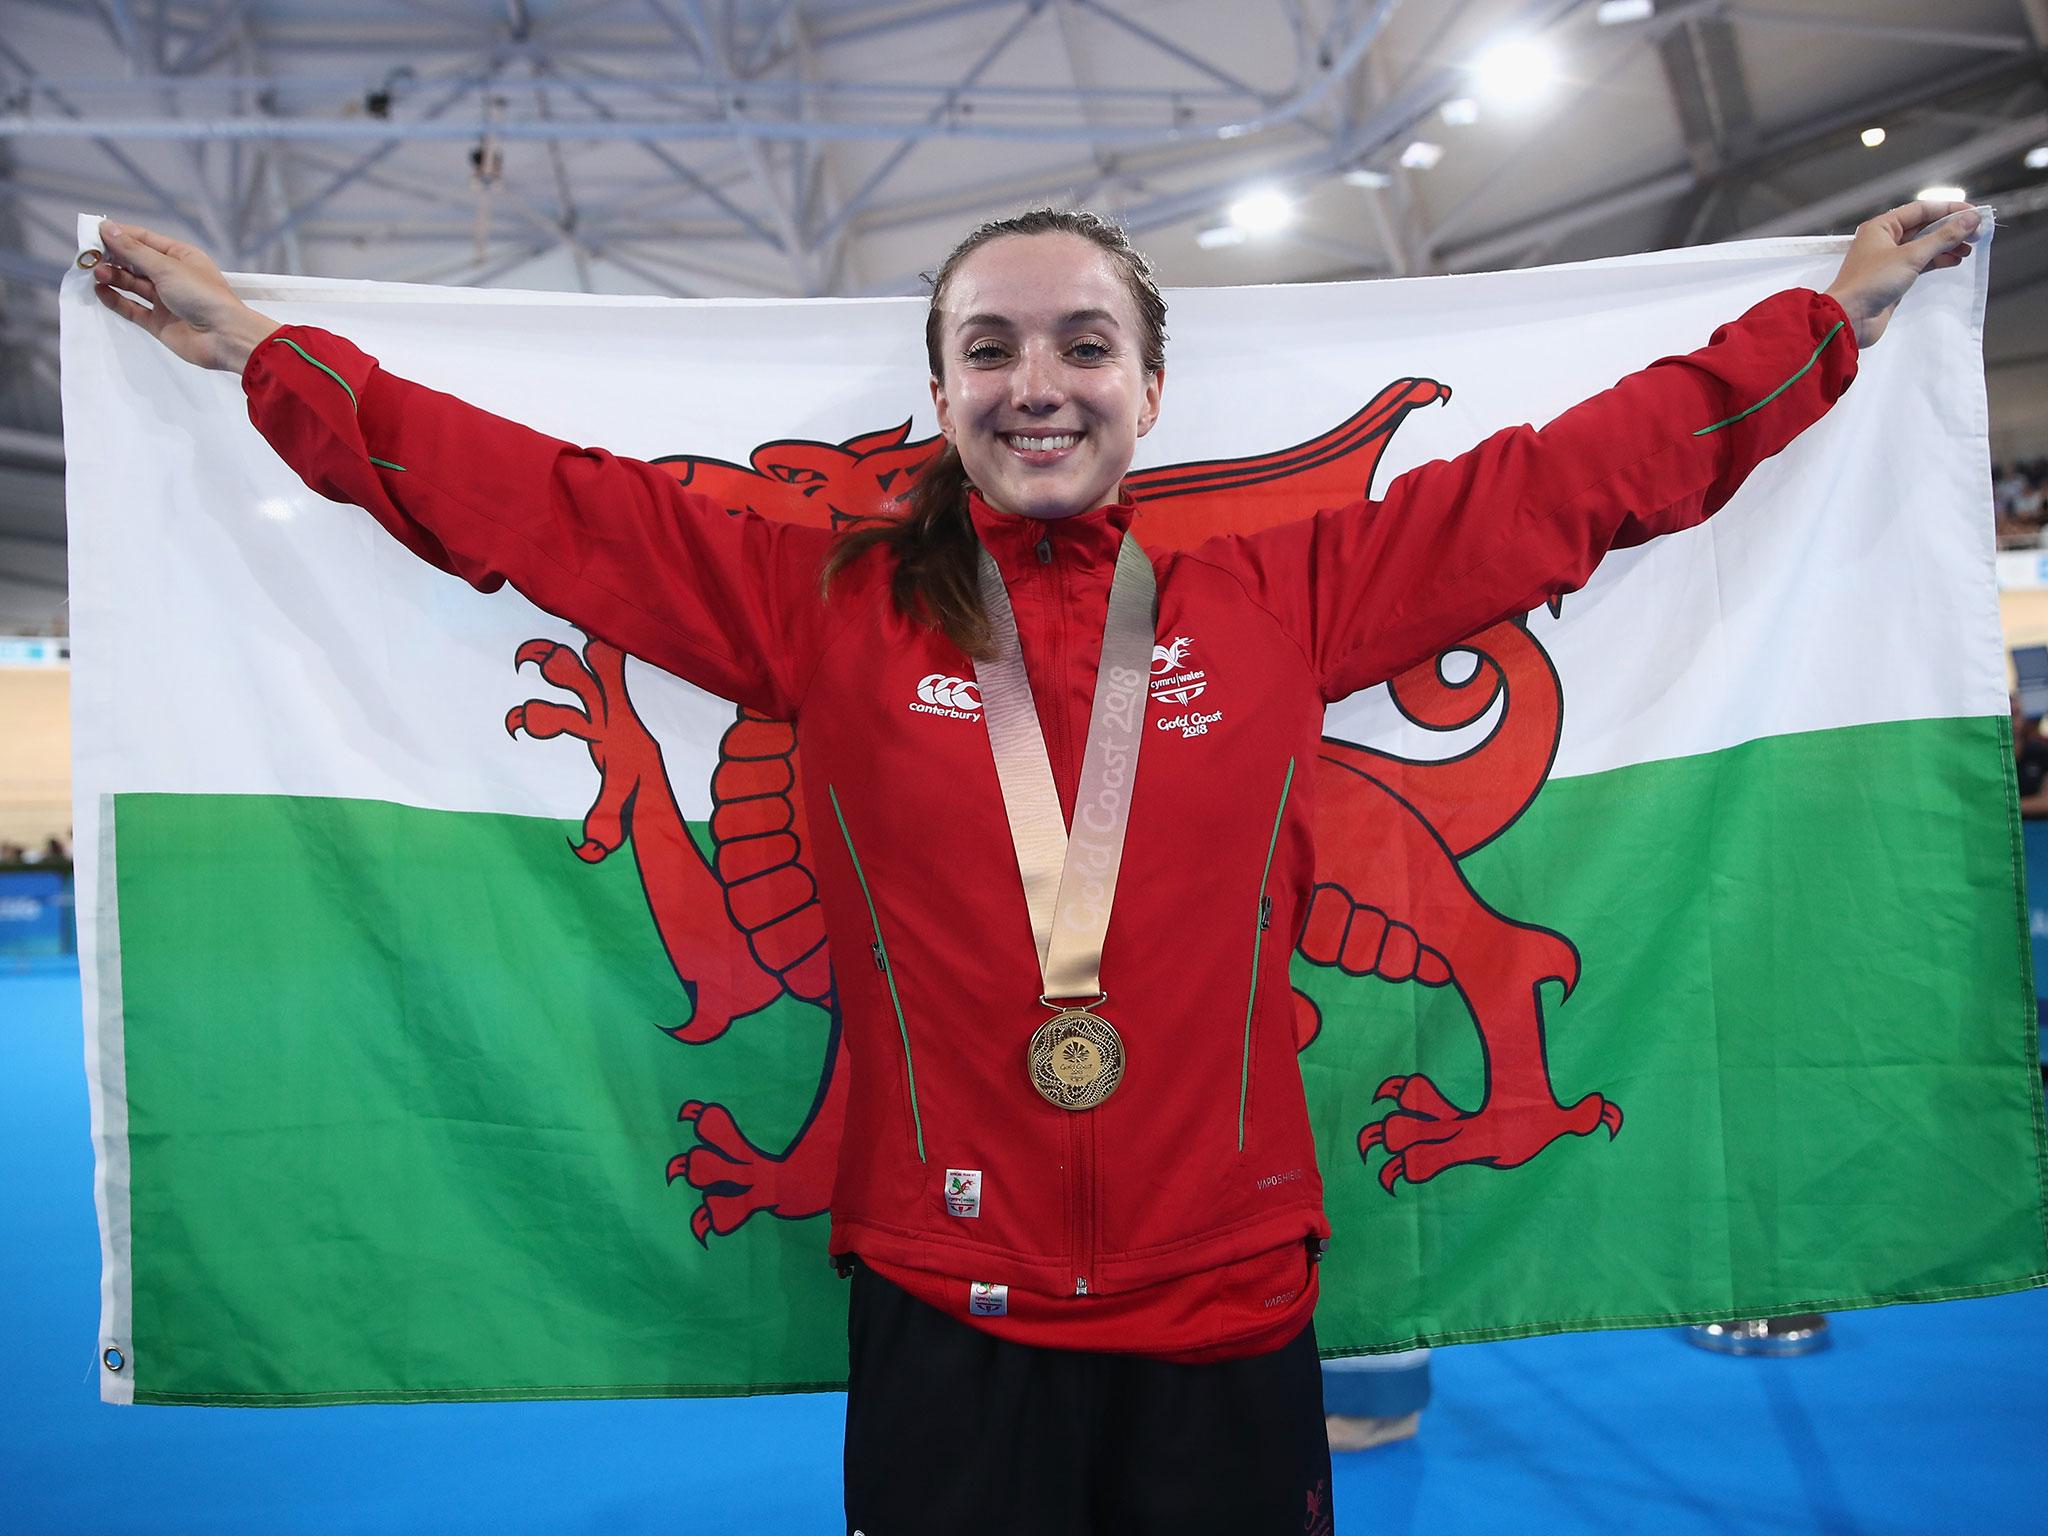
(1921, 1420)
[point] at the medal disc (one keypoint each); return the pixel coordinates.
(1077, 1059)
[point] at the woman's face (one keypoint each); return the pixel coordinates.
(1044, 391)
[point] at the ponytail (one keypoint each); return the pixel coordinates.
(937, 578)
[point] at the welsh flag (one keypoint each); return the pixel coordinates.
(457, 1014)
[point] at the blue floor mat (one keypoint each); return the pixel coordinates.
(1920, 1421)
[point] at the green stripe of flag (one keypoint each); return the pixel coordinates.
(400, 1111)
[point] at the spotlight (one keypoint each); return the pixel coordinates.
(1872, 137)
(1942, 195)
(1460, 111)
(1218, 237)
(1516, 72)
(2037, 159)
(1422, 155)
(1613, 13)
(1368, 178)
(1264, 212)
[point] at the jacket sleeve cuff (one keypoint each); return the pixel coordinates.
(303, 364)
(1828, 312)
(305, 389)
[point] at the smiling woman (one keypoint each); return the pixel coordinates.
(1046, 340)
(1047, 380)
(1076, 1190)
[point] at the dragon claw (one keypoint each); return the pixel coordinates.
(700, 1226)
(691, 1110)
(1426, 1133)
(590, 850)
(534, 652)
(515, 720)
(679, 1167)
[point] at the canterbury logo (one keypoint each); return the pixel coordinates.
(1167, 657)
(949, 692)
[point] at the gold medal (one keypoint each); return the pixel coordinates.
(1077, 1059)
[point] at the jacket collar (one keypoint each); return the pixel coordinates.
(1086, 539)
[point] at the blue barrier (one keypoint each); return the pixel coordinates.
(38, 914)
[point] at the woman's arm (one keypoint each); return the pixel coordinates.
(1454, 546)
(617, 547)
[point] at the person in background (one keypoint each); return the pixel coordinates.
(2026, 506)
(1371, 1400)
(2005, 489)
(2030, 762)
(2016, 498)
(2030, 769)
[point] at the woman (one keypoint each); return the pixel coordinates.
(1077, 1190)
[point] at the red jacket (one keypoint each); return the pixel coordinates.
(1179, 1217)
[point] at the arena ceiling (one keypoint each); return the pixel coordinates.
(802, 147)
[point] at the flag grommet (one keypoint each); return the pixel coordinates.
(88, 259)
(113, 1359)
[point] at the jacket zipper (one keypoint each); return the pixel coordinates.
(1081, 1150)
(1080, 1127)
(1244, 1081)
(880, 951)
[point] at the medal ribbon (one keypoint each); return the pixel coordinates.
(1070, 878)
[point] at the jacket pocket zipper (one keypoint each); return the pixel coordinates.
(880, 949)
(1251, 1003)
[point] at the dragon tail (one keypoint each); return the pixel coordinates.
(1472, 798)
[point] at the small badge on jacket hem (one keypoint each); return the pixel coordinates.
(986, 1300)
(963, 1192)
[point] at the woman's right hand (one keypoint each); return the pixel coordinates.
(1891, 251)
(188, 305)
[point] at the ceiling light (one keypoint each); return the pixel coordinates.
(2037, 159)
(1217, 237)
(1422, 155)
(1365, 176)
(1517, 72)
(1263, 212)
(1941, 195)
(1872, 137)
(1613, 13)
(1460, 111)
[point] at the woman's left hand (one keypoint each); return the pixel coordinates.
(1893, 249)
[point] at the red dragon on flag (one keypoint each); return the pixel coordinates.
(1390, 899)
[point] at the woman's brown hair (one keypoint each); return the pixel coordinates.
(932, 540)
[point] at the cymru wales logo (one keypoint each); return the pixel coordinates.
(1173, 682)
(744, 927)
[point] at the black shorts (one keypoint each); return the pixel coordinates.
(952, 1432)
